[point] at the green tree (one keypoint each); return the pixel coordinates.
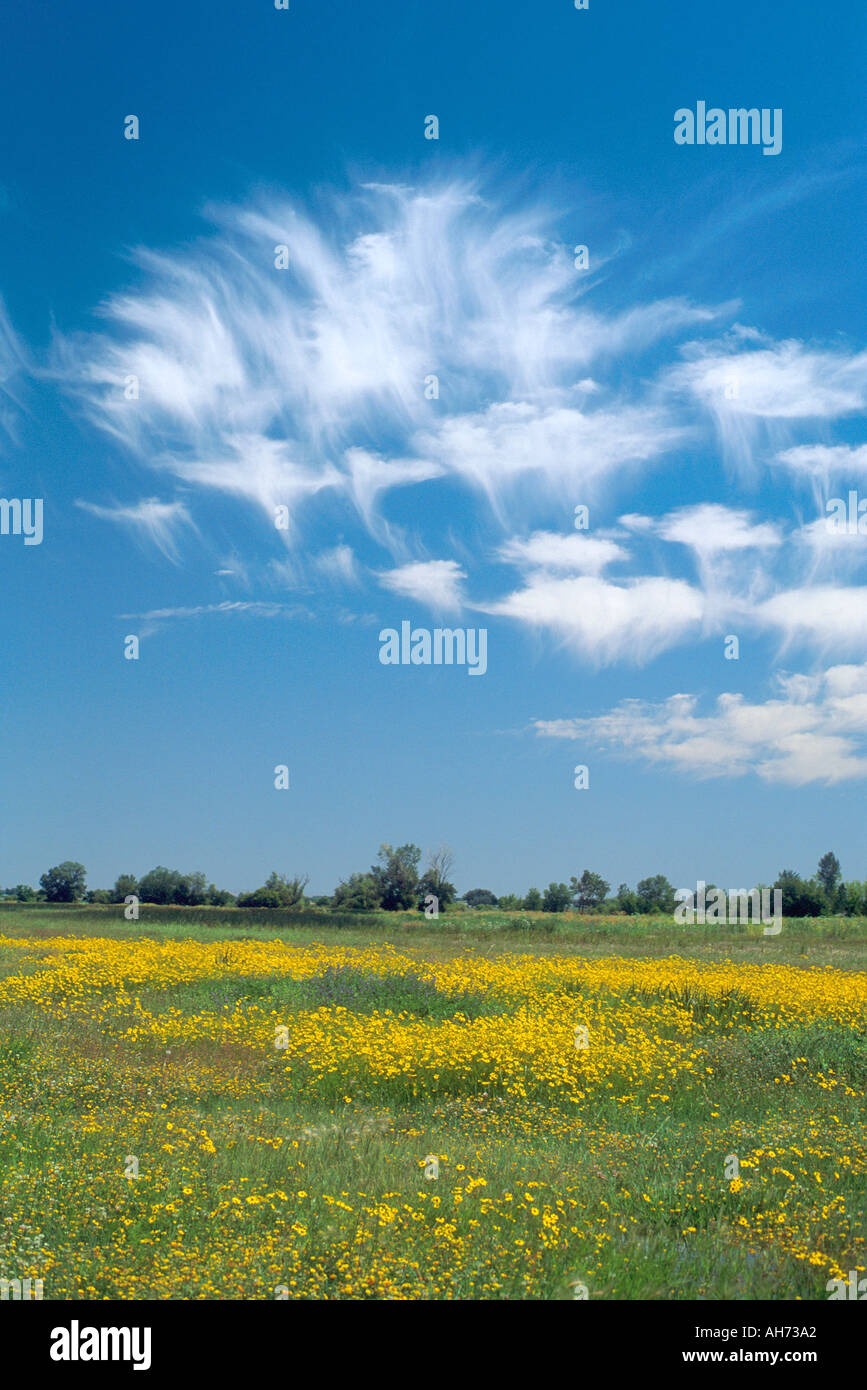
(557, 898)
(511, 902)
(801, 897)
(435, 879)
(443, 891)
(853, 899)
(219, 897)
(396, 876)
(24, 893)
(627, 900)
(828, 874)
(588, 891)
(65, 882)
(533, 900)
(655, 894)
(358, 893)
(191, 890)
(124, 885)
(159, 885)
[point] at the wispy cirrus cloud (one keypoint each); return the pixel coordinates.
(559, 446)
(823, 467)
(258, 469)
(253, 607)
(757, 391)
(151, 520)
(434, 337)
(733, 551)
(153, 619)
(413, 333)
(338, 564)
(13, 366)
(825, 462)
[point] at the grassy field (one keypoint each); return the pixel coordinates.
(206, 1104)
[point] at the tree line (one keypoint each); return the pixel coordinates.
(397, 883)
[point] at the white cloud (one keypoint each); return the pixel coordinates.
(370, 475)
(252, 607)
(272, 384)
(842, 548)
(306, 387)
(709, 527)
(816, 731)
(259, 469)
(159, 522)
(338, 564)
(635, 521)
(786, 381)
(13, 364)
(826, 468)
(827, 616)
(548, 550)
(151, 621)
(731, 551)
(233, 566)
(633, 621)
(436, 583)
(558, 445)
(757, 392)
(823, 463)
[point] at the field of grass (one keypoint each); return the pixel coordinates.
(588, 1089)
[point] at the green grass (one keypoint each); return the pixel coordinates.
(77, 1102)
(344, 986)
(837, 941)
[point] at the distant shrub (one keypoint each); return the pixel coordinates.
(276, 892)
(480, 897)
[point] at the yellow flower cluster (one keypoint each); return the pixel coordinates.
(175, 1121)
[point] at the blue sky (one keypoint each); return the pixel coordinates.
(701, 388)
